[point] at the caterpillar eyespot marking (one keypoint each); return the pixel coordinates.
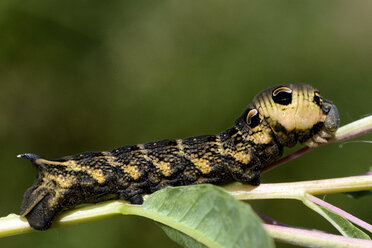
(278, 117)
(282, 95)
(252, 118)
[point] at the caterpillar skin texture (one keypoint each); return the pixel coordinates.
(277, 117)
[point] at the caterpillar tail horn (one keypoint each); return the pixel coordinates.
(32, 157)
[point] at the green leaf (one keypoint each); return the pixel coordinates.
(348, 229)
(207, 216)
(181, 238)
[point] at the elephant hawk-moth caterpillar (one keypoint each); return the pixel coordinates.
(277, 117)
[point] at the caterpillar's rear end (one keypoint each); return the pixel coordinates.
(60, 184)
(279, 116)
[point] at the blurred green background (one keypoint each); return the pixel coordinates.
(93, 75)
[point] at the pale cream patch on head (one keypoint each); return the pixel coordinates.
(308, 112)
(302, 113)
(276, 112)
(306, 118)
(285, 116)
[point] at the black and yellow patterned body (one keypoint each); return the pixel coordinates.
(279, 116)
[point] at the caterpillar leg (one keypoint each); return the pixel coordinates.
(251, 175)
(256, 179)
(136, 199)
(133, 193)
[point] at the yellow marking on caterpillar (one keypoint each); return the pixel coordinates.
(144, 152)
(261, 137)
(110, 159)
(220, 149)
(74, 166)
(242, 157)
(164, 168)
(180, 147)
(53, 201)
(97, 175)
(62, 182)
(71, 164)
(202, 164)
(133, 171)
(44, 161)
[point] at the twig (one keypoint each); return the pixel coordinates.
(295, 190)
(313, 238)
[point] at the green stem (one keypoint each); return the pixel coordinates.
(13, 224)
(354, 129)
(310, 238)
(296, 190)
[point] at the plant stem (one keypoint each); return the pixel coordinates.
(13, 224)
(311, 238)
(341, 212)
(354, 129)
(296, 190)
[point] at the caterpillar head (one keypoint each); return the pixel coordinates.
(295, 113)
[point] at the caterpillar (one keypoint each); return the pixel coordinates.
(278, 117)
